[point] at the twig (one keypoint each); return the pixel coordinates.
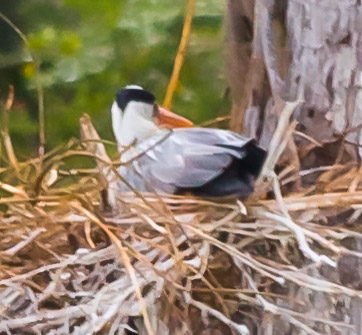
(288, 314)
(10, 150)
(18, 31)
(186, 31)
(214, 121)
(127, 264)
(271, 308)
(280, 138)
(245, 259)
(8, 104)
(300, 236)
(87, 233)
(153, 224)
(307, 137)
(303, 173)
(39, 87)
(5, 129)
(326, 200)
(41, 120)
(241, 329)
(32, 236)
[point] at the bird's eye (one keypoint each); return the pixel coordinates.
(155, 110)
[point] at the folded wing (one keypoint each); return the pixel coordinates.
(190, 159)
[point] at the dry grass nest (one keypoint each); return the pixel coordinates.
(287, 264)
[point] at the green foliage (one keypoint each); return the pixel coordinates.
(88, 50)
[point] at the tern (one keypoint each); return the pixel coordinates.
(162, 152)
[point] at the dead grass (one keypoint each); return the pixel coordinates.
(169, 264)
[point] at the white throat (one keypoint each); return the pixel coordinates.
(132, 124)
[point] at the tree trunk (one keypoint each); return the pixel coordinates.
(286, 50)
(308, 50)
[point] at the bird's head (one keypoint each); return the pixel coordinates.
(136, 115)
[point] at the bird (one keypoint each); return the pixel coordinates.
(163, 152)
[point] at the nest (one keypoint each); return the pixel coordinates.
(156, 264)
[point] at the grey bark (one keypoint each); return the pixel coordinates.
(312, 50)
(309, 49)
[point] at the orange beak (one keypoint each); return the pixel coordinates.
(172, 120)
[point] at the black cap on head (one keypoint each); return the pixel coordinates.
(126, 95)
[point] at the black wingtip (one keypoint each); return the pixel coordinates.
(255, 158)
(236, 180)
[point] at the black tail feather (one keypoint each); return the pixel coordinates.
(237, 179)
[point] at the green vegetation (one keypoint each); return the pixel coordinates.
(89, 49)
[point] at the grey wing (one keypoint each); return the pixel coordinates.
(189, 158)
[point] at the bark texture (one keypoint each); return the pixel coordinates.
(286, 50)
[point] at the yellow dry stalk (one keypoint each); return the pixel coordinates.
(180, 56)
